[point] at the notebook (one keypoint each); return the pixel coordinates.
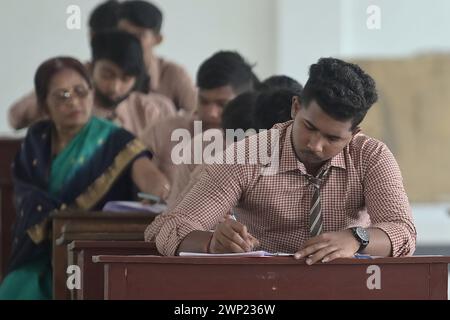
(259, 253)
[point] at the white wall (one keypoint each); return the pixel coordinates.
(407, 27)
(32, 31)
(280, 36)
(310, 29)
(195, 29)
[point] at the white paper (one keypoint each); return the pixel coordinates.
(259, 253)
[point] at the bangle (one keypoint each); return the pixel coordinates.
(209, 243)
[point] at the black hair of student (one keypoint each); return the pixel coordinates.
(343, 90)
(281, 82)
(124, 50)
(105, 16)
(273, 106)
(238, 113)
(142, 14)
(227, 68)
(49, 68)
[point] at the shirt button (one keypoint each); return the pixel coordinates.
(39, 208)
(35, 162)
(21, 213)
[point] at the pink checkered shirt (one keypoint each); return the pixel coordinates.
(363, 188)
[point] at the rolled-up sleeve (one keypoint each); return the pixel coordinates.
(25, 112)
(386, 200)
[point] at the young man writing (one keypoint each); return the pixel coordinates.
(329, 191)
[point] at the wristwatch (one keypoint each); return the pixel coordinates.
(363, 237)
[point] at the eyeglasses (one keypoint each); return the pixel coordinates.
(63, 96)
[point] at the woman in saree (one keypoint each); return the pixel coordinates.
(71, 161)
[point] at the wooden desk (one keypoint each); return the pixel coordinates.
(80, 253)
(8, 149)
(150, 277)
(80, 225)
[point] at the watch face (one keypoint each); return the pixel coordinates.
(363, 234)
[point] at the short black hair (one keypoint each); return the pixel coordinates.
(281, 82)
(227, 68)
(238, 113)
(343, 90)
(125, 51)
(142, 14)
(273, 106)
(105, 16)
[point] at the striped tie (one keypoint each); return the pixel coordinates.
(315, 213)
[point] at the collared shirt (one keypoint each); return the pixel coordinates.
(272, 197)
(173, 81)
(140, 110)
